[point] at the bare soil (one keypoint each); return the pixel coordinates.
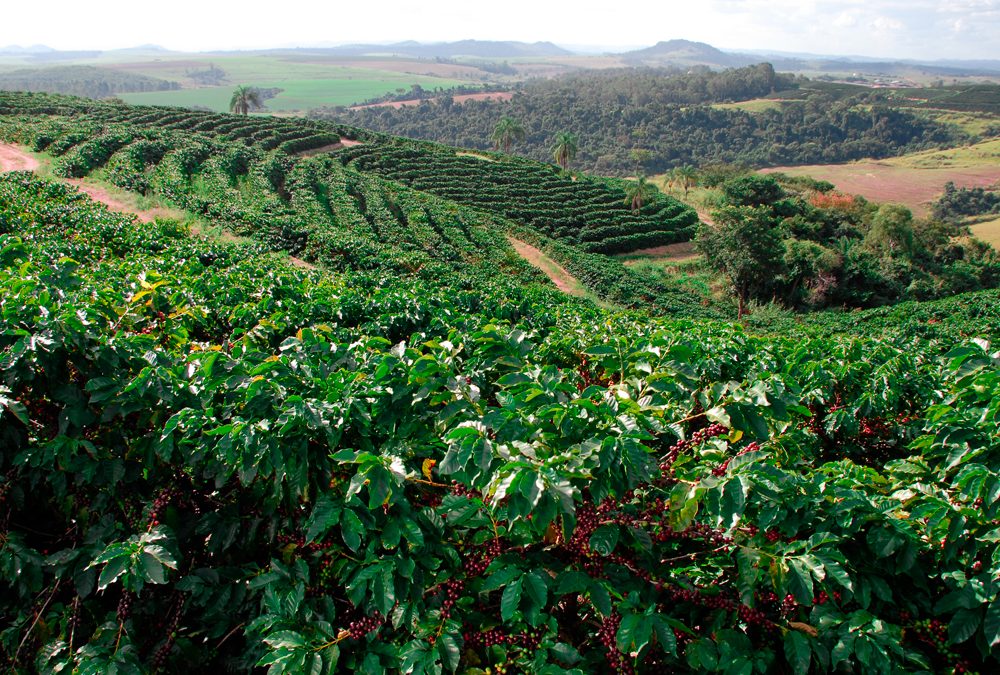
(563, 280)
(13, 158)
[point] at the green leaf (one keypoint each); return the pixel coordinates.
(324, 516)
(451, 653)
(351, 529)
(991, 626)
(963, 625)
(734, 500)
(604, 539)
(510, 600)
(634, 633)
(835, 571)
(536, 587)
(665, 635)
(797, 652)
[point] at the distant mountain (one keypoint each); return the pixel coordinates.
(33, 49)
(477, 48)
(687, 53)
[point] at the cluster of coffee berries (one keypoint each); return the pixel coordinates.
(452, 591)
(460, 490)
(169, 628)
(698, 531)
(164, 499)
(722, 468)
(607, 635)
(717, 601)
(697, 438)
(497, 636)
(362, 627)
(125, 606)
(477, 561)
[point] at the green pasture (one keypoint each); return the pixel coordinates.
(298, 94)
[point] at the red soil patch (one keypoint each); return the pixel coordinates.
(99, 194)
(347, 142)
(461, 98)
(13, 158)
(563, 280)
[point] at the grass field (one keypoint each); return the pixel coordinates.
(344, 88)
(310, 80)
(988, 231)
(754, 106)
(914, 180)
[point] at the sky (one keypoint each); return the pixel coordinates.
(916, 29)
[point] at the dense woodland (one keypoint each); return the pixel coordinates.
(416, 456)
(85, 81)
(672, 117)
(958, 203)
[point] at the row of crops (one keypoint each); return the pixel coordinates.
(312, 207)
(212, 461)
(587, 212)
(265, 132)
(318, 208)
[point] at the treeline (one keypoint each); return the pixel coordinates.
(805, 249)
(615, 113)
(86, 81)
(957, 203)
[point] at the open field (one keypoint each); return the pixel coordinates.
(298, 95)
(988, 231)
(913, 180)
(754, 106)
(309, 80)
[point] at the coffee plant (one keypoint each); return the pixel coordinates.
(210, 460)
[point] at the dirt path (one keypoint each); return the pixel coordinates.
(13, 158)
(563, 280)
(99, 194)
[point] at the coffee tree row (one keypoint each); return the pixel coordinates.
(213, 461)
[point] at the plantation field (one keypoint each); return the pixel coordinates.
(299, 95)
(415, 455)
(914, 180)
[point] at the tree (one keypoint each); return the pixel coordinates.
(744, 245)
(639, 192)
(891, 233)
(245, 99)
(684, 176)
(564, 149)
(506, 132)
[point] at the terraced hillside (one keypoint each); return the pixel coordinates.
(585, 211)
(247, 174)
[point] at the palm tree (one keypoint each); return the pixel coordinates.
(685, 176)
(564, 149)
(506, 132)
(245, 99)
(638, 193)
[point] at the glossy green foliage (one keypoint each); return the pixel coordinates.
(210, 460)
